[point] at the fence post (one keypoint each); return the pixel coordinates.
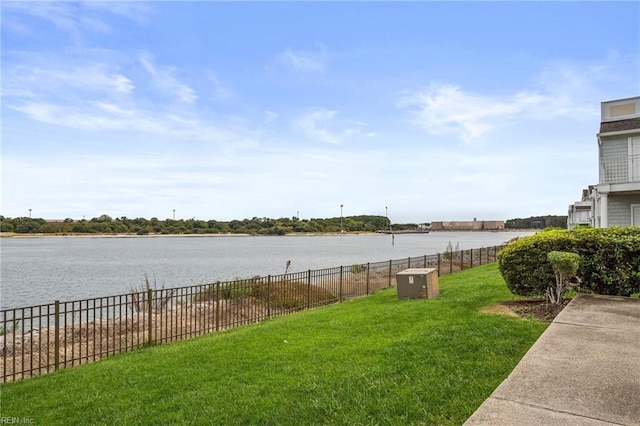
(461, 260)
(451, 262)
(340, 285)
(56, 345)
(269, 296)
(424, 262)
(409, 262)
(368, 277)
(308, 288)
(438, 264)
(150, 315)
(217, 305)
(390, 265)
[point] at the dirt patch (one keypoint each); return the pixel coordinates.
(538, 309)
(498, 309)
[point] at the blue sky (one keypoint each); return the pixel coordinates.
(230, 110)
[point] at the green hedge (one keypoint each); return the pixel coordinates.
(609, 264)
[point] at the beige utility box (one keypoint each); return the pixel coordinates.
(418, 283)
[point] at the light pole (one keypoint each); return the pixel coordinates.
(341, 225)
(393, 237)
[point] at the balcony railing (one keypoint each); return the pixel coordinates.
(620, 169)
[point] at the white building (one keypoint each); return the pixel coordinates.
(581, 212)
(615, 200)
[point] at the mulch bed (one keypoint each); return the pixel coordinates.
(535, 308)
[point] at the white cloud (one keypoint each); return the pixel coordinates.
(300, 60)
(270, 116)
(163, 78)
(98, 97)
(42, 79)
(323, 125)
(312, 125)
(220, 90)
(121, 83)
(135, 11)
(72, 18)
(60, 14)
(114, 109)
(447, 109)
(64, 116)
(579, 87)
(161, 127)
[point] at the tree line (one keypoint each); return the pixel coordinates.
(104, 224)
(537, 222)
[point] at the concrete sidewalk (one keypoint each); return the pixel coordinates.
(583, 370)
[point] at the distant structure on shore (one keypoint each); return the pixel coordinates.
(468, 225)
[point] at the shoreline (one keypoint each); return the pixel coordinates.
(227, 235)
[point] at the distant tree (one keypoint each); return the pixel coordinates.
(80, 227)
(537, 222)
(6, 225)
(27, 225)
(102, 218)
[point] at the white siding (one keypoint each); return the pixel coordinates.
(615, 147)
(620, 209)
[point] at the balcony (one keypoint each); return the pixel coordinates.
(620, 169)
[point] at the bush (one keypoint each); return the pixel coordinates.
(565, 265)
(6, 226)
(523, 263)
(609, 260)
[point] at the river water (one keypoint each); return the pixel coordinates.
(40, 270)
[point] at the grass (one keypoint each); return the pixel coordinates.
(371, 361)
(279, 294)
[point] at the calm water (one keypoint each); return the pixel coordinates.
(40, 270)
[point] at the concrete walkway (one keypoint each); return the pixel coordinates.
(583, 370)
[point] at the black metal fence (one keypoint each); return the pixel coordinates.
(45, 338)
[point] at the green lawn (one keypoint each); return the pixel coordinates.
(371, 361)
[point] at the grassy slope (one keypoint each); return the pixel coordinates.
(375, 360)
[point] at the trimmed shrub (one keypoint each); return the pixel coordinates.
(523, 263)
(609, 260)
(565, 265)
